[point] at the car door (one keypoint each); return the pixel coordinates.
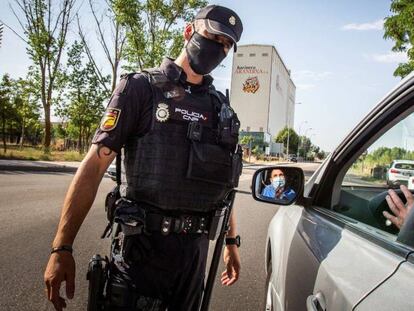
(394, 294)
(333, 263)
(342, 252)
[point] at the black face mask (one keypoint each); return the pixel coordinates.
(204, 54)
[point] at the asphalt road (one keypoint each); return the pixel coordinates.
(30, 206)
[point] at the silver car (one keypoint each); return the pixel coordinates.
(330, 247)
(399, 172)
(111, 171)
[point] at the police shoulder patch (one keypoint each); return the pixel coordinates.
(110, 119)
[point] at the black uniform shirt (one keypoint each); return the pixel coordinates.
(129, 112)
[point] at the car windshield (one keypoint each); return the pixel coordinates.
(405, 166)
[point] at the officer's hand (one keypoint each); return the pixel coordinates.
(232, 261)
(61, 267)
(399, 209)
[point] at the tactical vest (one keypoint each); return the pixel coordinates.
(189, 160)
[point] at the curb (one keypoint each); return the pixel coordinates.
(26, 168)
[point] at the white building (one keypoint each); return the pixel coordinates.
(262, 91)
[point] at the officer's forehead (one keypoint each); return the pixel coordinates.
(277, 172)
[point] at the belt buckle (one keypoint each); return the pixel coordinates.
(202, 225)
(186, 224)
(166, 225)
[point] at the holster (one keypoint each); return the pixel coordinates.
(97, 276)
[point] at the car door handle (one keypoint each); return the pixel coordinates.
(316, 302)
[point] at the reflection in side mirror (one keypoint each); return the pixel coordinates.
(280, 185)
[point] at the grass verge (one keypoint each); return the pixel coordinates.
(14, 152)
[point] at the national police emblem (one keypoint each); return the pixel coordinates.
(162, 114)
(110, 119)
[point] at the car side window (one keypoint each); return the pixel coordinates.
(387, 163)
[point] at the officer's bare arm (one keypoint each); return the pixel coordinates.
(232, 226)
(81, 193)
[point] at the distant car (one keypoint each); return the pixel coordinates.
(399, 172)
(292, 158)
(333, 249)
(411, 183)
(111, 171)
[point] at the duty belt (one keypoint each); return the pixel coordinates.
(182, 224)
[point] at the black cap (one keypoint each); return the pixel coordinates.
(221, 21)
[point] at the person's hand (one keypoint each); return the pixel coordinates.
(61, 267)
(398, 208)
(232, 261)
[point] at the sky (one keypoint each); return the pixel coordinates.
(340, 63)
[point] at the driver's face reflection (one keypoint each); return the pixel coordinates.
(277, 173)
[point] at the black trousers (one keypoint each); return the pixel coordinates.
(159, 272)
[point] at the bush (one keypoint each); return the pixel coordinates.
(45, 157)
(36, 153)
(72, 156)
(261, 156)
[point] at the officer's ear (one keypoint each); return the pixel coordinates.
(188, 31)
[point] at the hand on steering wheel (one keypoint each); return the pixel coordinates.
(398, 208)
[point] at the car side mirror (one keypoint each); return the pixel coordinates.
(281, 185)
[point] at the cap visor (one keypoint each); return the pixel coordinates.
(220, 29)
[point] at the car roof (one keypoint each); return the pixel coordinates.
(403, 161)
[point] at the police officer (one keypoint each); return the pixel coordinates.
(180, 160)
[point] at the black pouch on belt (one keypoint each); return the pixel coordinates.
(110, 203)
(130, 216)
(210, 163)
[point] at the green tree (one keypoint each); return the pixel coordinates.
(384, 155)
(27, 108)
(46, 26)
(152, 29)
(85, 96)
(245, 140)
(6, 107)
(399, 27)
(282, 137)
(305, 146)
(19, 110)
(112, 45)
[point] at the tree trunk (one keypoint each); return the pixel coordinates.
(22, 135)
(115, 66)
(80, 140)
(47, 128)
(87, 136)
(4, 132)
(114, 73)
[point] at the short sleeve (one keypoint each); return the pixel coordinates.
(123, 115)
